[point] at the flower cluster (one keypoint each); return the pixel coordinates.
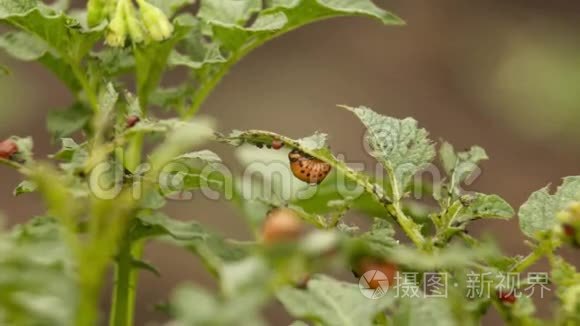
(148, 23)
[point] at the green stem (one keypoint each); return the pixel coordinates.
(412, 230)
(126, 277)
(408, 225)
(87, 311)
(133, 152)
(86, 86)
(530, 259)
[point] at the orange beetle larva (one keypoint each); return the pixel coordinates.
(281, 224)
(307, 168)
(277, 144)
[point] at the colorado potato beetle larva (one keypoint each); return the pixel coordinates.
(307, 168)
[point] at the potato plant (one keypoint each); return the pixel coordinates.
(104, 191)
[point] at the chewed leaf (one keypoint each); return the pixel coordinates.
(312, 148)
(538, 213)
(459, 165)
(485, 206)
(400, 145)
(314, 142)
(333, 303)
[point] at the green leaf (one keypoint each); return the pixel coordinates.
(60, 32)
(141, 264)
(73, 155)
(448, 157)
(399, 145)
(37, 286)
(112, 61)
(25, 146)
(424, 311)
(460, 166)
(538, 213)
(485, 206)
(155, 224)
(315, 147)
(28, 47)
(333, 303)
(229, 12)
(238, 35)
(211, 248)
(192, 305)
(380, 238)
(244, 275)
(171, 7)
(25, 187)
(23, 46)
(179, 140)
(203, 155)
(453, 256)
(64, 123)
(152, 200)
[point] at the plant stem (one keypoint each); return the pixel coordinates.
(85, 84)
(87, 311)
(133, 152)
(409, 227)
(530, 259)
(126, 277)
(412, 230)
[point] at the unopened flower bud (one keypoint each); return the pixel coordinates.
(134, 25)
(117, 29)
(96, 12)
(155, 21)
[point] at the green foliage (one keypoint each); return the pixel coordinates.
(538, 213)
(37, 283)
(105, 191)
(331, 302)
(399, 145)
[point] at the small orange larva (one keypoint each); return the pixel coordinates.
(8, 148)
(132, 120)
(307, 168)
(281, 224)
(277, 144)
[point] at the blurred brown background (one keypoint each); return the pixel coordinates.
(501, 74)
